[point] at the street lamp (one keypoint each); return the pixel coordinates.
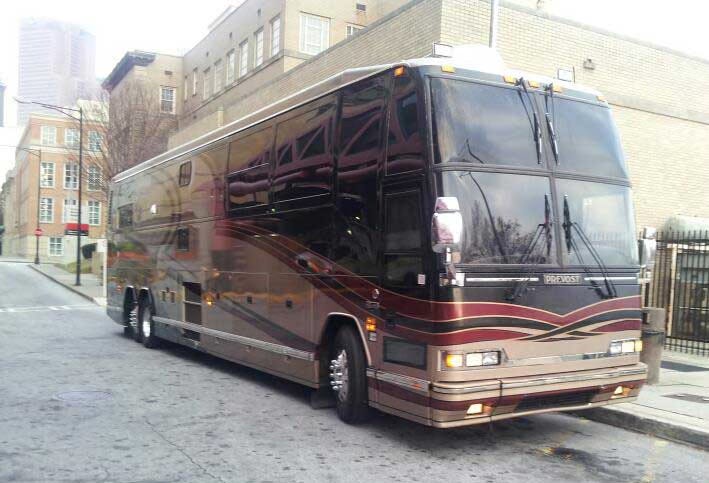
(67, 111)
(38, 153)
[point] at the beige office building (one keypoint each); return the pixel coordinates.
(265, 50)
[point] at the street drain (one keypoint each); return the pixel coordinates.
(83, 396)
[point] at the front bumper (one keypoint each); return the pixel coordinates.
(446, 404)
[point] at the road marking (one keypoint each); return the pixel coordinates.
(46, 308)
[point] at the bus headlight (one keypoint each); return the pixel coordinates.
(627, 346)
(452, 360)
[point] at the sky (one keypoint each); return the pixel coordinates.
(171, 27)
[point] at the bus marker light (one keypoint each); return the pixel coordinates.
(510, 79)
(533, 84)
(370, 324)
(638, 345)
(621, 391)
(399, 71)
(618, 391)
(448, 68)
(556, 88)
(454, 360)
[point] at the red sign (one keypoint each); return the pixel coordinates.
(38, 232)
(73, 228)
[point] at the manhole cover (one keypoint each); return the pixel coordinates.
(83, 396)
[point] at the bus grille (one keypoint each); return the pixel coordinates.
(532, 403)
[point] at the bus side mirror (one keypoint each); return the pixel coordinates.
(446, 225)
(647, 248)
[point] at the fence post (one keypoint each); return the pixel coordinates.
(653, 337)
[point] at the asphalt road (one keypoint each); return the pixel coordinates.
(80, 402)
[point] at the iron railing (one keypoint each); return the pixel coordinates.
(680, 285)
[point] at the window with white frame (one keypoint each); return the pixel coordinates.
(185, 88)
(353, 29)
(167, 99)
(71, 137)
(94, 213)
(230, 66)
(218, 75)
(95, 141)
(71, 176)
(258, 48)
(194, 81)
(275, 36)
(46, 210)
(48, 135)
(206, 84)
(46, 175)
(70, 213)
(314, 33)
(243, 58)
(56, 246)
(94, 181)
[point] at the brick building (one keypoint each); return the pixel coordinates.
(55, 178)
(658, 95)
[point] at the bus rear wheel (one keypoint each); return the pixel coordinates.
(348, 376)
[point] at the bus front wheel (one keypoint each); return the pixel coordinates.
(146, 327)
(348, 376)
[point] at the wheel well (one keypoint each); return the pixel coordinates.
(333, 324)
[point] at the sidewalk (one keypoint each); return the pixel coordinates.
(677, 408)
(90, 288)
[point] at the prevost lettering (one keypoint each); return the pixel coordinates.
(561, 279)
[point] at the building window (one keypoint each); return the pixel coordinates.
(94, 183)
(185, 173)
(49, 135)
(56, 246)
(167, 100)
(46, 210)
(258, 48)
(314, 33)
(70, 214)
(205, 84)
(218, 75)
(353, 29)
(94, 213)
(361, 7)
(71, 138)
(95, 140)
(185, 87)
(194, 82)
(46, 179)
(243, 58)
(71, 176)
(275, 36)
(230, 67)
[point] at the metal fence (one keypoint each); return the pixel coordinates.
(680, 285)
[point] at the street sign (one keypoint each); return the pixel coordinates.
(38, 232)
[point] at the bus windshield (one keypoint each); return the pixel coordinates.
(483, 124)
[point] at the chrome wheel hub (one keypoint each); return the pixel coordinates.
(339, 376)
(133, 317)
(146, 324)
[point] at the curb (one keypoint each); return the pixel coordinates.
(642, 424)
(70, 287)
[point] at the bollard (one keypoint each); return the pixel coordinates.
(653, 336)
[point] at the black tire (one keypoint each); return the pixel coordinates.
(353, 408)
(128, 331)
(148, 337)
(133, 322)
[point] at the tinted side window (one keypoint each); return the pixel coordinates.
(403, 261)
(405, 152)
(304, 166)
(249, 158)
(206, 197)
(185, 173)
(125, 216)
(359, 147)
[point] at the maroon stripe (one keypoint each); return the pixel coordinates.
(630, 324)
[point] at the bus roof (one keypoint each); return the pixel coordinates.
(474, 58)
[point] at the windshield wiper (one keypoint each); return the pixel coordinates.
(466, 146)
(571, 243)
(537, 126)
(500, 246)
(550, 123)
(521, 284)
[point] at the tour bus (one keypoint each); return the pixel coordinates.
(441, 239)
